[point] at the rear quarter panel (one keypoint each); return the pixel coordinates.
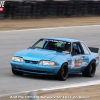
(94, 56)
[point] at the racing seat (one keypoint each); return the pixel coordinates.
(79, 49)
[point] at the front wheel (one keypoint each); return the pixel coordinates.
(16, 72)
(63, 72)
(90, 70)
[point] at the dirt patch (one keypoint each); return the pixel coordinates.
(80, 93)
(17, 24)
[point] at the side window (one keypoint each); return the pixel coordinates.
(77, 49)
(86, 51)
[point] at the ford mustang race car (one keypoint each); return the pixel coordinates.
(58, 57)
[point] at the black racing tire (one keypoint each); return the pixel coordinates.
(16, 72)
(90, 70)
(63, 72)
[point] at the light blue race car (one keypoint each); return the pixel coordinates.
(58, 57)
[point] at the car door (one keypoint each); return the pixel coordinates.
(79, 58)
(86, 56)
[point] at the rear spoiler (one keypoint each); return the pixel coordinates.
(92, 49)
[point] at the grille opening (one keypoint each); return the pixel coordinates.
(32, 62)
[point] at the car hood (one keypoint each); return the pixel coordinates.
(37, 54)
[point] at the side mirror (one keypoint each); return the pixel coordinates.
(73, 54)
(29, 47)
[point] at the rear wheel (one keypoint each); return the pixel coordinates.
(16, 72)
(90, 70)
(63, 72)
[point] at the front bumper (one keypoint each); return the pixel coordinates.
(34, 68)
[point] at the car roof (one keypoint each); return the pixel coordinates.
(62, 39)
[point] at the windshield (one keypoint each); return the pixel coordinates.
(55, 45)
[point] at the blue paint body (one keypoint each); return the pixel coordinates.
(58, 57)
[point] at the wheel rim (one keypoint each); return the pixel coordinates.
(64, 72)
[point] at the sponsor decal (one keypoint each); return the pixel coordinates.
(55, 41)
(2, 5)
(73, 63)
(77, 63)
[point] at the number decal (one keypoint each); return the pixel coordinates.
(78, 62)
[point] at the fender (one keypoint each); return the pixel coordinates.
(60, 60)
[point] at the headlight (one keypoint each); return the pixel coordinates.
(18, 59)
(47, 63)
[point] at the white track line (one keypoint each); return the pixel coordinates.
(82, 84)
(51, 28)
(73, 85)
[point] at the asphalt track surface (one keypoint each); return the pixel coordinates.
(14, 41)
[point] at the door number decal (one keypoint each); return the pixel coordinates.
(77, 63)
